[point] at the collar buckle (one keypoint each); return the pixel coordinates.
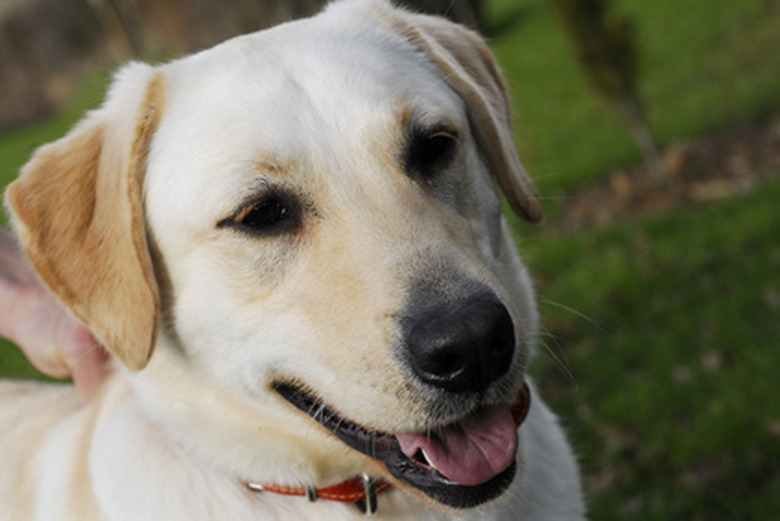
(370, 504)
(361, 492)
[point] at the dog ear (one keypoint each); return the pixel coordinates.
(469, 67)
(77, 208)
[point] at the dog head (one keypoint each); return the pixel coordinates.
(293, 245)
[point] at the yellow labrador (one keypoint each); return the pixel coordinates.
(292, 246)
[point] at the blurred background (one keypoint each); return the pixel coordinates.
(652, 130)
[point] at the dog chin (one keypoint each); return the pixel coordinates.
(247, 437)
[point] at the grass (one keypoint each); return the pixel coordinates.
(672, 398)
(661, 333)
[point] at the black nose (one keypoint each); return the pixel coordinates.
(461, 346)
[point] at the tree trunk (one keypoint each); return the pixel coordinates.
(643, 136)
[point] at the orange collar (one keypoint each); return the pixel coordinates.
(361, 491)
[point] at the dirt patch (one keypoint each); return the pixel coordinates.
(707, 169)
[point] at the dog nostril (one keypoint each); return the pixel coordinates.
(463, 347)
(448, 364)
(438, 364)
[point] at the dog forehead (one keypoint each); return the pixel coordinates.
(307, 92)
(351, 71)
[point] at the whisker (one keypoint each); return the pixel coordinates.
(558, 356)
(591, 321)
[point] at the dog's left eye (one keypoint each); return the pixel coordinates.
(431, 152)
(271, 215)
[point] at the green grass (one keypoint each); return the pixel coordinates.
(13, 364)
(662, 334)
(672, 399)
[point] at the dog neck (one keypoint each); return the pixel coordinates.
(361, 491)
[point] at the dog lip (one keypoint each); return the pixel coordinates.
(385, 448)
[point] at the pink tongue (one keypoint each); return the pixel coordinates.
(472, 451)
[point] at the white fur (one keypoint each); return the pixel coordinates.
(180, 438)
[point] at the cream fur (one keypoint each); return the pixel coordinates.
(201, 318)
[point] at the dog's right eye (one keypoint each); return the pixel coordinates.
(271, 215)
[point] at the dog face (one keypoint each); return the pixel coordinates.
(293, 244)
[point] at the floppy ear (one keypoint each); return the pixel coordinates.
(77, 208)
(469, 67)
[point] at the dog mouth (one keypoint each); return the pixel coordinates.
(460, 465)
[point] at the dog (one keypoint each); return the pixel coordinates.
(292, 247)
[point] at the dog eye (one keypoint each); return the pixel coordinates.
(431, 152)
(272, 215)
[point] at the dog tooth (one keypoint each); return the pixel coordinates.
(427, 459)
